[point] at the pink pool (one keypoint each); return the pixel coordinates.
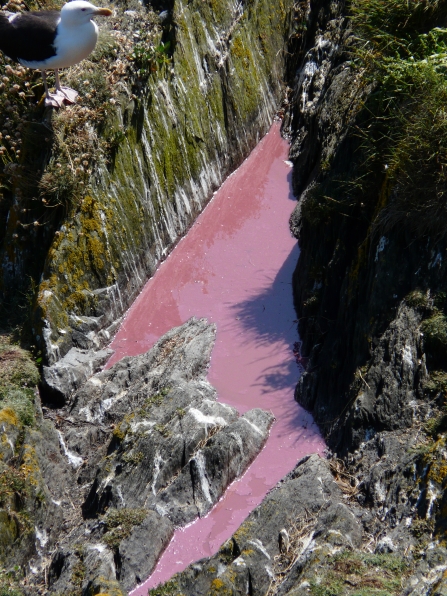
(235, 268)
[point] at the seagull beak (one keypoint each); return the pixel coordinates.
(105, 12)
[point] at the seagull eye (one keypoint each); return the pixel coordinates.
(83, 9)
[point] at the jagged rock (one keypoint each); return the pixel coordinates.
(305, 505)
(62, 379)
(225, 456)
(152, 449)
(139, 553)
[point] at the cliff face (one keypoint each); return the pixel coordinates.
(367, 124)
(367, 144)
(170, 105)
(367, 131)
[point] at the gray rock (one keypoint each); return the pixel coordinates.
(226, 456)
(138, 554)
(152, 449)
(300, 505)
(62, 379)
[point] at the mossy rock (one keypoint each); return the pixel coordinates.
(17, 366)
(9, 530)
(435, 338)
(179, 136)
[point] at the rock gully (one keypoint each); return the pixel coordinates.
(235, 268)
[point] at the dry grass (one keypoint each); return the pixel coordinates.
(346, 482)
(300, 534)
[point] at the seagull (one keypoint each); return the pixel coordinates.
(50, 39)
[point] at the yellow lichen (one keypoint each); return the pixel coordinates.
(9, 416)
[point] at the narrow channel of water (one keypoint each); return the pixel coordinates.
(235, 268)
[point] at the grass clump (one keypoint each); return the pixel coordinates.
(167, 589)
(17, 367)
(435, 337)
(119, 524)
(396, 26)
(361, 574)
(402, 53)
(19, 376)
(21, 401)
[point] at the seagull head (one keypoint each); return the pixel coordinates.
(78, 12)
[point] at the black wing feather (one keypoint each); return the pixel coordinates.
(30, 35)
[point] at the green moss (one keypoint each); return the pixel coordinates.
(361, 574)
(119, 524)
(153, 401)
(170, 588)
(133, 458)
(17, 366)
(21, 402)
(163, 430)
(435, 337)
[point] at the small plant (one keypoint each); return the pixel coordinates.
(119, 524)
(133, 458)
(170, 588)
(149, 58)
(435, 337)
(417, 299)
(163, 430)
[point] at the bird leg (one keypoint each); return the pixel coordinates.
(52, 100)
(69, 94)
(62, 95)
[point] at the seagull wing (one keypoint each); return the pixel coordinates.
(30, 35)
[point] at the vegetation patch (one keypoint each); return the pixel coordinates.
(435, 337)
(9, 584)
(153, 401)
(133, 457)
(119, 524)
(403, 135)
(167, 589)
(17, 366)
(361, 574)
(21, 403)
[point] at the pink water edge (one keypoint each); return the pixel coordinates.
(235, 268)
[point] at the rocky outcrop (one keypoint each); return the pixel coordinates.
(71, 372)
(140, 449)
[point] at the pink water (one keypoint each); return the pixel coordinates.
(235, 268)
